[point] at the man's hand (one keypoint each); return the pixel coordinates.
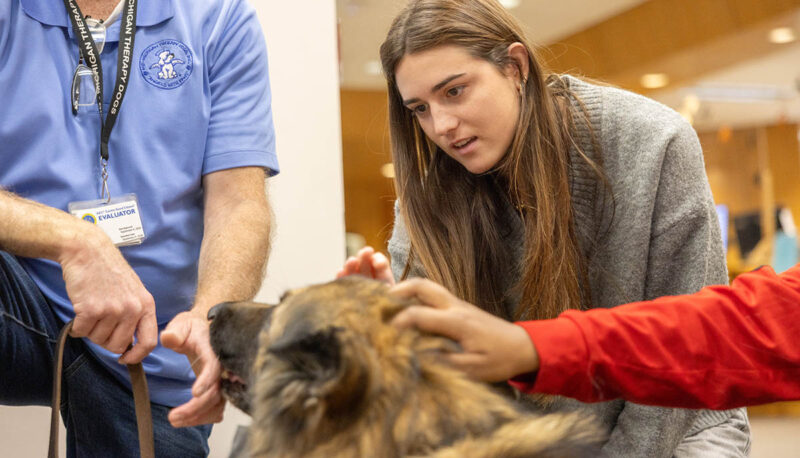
(493, 349)
(369, 264)
(188, 333)
(111, 304)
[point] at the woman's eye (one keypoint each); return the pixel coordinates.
(420, 109)
(455, 91)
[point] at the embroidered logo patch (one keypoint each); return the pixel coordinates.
(166, 64)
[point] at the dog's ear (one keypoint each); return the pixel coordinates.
(317, 353)
(334, 378)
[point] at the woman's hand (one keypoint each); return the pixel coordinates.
(493, 349)
(369, 264)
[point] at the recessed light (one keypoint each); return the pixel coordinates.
(782, 35)
(509, 4)
(373, 67)
(654, 80)
(691, 103)
(387, 170)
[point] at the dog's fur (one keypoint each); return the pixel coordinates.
(332, 378)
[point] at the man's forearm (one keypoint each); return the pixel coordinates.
(98, 280)
(33, 230)
(234, 252)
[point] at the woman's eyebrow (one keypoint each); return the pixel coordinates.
(435, 88)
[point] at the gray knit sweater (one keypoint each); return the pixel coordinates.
(663, 239)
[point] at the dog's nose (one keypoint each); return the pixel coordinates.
(214, 311)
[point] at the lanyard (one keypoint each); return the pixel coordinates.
(88, 49)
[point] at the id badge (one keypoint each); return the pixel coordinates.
(119, 218)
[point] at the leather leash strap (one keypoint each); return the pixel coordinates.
(141, 400)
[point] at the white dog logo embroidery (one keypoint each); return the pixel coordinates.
(166, 65)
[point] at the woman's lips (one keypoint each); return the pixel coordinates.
(464, 146)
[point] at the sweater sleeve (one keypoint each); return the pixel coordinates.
(399, 244)
(650, 353)
(399, 248)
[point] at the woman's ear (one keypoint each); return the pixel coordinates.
(519, 55)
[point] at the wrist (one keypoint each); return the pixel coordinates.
(200, 308)
(526, 357)
(79, 239)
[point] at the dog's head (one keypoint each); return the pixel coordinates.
(321, 349)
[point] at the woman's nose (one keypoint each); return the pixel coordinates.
(443, 121)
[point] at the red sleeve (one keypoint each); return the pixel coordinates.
(720, 348)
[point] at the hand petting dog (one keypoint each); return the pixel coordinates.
(370, 264)
(493, 349)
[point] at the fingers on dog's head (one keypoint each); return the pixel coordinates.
(424, 291)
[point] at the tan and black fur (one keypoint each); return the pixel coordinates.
(332, 378)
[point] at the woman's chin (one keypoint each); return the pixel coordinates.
(478, 165)
(479, 168)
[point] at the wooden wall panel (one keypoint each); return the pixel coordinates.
(732, 167)
(784, 161)
(368, 195)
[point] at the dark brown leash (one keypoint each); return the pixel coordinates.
(141, 401)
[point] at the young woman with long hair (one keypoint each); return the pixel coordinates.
(528, 193)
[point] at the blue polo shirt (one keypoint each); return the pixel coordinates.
(198, 101)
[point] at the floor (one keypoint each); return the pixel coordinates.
(775, 437)
(23, 433)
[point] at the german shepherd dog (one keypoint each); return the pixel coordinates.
(324, 374)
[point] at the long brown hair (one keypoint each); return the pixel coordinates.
(451, 215)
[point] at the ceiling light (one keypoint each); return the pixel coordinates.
(691, 103)
(782, 35)
(509, 4)
(654, 80)
(373, 67)
(387, 170)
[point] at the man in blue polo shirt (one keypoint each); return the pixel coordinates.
(134, 215)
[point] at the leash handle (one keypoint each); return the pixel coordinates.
(141, 401)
